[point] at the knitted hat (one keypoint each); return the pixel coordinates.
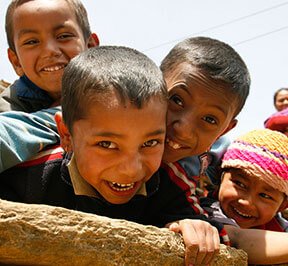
(262, 153)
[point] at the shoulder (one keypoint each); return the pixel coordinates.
(50, 155)
(9, 98)
(31, 180)
(179, 174)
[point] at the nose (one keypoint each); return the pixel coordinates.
(246, 201)
(184, 127)
(285, 102)
(131, 167)
(51, 48)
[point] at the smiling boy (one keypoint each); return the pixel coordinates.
(113, 151)
(208, 84)
(254, 184)
(43, 36)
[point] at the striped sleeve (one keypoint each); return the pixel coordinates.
(178, 176)
(23, 135)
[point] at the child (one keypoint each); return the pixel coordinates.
(254, 185)
(113, 149)
(42, 36)
(208, 85)
(254, 188)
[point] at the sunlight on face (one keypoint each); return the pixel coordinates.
(118, 147)
(248, 200)
(199, 112)
(46, 36)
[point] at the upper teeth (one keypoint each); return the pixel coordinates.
(121, 187)
(173, 144)
(55, 68)
(243, 214)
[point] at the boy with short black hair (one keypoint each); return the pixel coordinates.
(208, 84)
(42, 36)
(113, 150)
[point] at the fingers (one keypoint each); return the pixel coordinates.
(201, 241)
(174, 227)
(207, 254)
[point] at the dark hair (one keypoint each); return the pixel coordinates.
(97, 72)
(75, 5)
(276, 94)
(215, 59)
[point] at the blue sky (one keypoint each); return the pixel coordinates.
(257, 30)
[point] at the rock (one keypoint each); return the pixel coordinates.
(44, 235)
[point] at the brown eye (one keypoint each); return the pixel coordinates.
(106, 144)
(151, 143)
(210, 120)
(176, 99)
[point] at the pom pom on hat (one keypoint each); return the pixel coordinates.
(262, 153)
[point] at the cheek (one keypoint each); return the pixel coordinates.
(153, 162)
(226, 193)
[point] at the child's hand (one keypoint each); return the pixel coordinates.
(201, 240)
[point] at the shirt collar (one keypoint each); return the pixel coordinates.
(83, 188)
(29, 90)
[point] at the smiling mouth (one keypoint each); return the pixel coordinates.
(121, 187)
(174, 145)
(53, 68)
(244, 215)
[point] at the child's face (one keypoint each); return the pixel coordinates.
(199, 112)
(118, 147)
(248, 200)
(46, 37)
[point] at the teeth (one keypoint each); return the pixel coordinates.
(242, 214)
(173, 144)
(55, 68)
(121, 187)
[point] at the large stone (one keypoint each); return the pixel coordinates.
(44, 235)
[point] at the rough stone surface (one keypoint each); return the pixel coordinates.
(45, 235)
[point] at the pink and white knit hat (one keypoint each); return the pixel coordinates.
(262, 153)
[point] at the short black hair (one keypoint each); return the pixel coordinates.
(100, 70)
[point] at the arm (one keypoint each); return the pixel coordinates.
(262, 247)
(23, 135)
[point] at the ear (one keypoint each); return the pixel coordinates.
(13, 58)
(284, 204)
(231, 125)
(65, 136)
(93, 40)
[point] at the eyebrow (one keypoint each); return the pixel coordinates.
(185, 88)
(26, 31)
(112, 134)
(270, 189)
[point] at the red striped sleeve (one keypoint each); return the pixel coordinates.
(178, 176)
(56, 152)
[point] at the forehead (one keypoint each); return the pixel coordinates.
(112, 114)
(111, 100)
(282, 93)
(199, 84)
(39, 9)
(257, 182)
